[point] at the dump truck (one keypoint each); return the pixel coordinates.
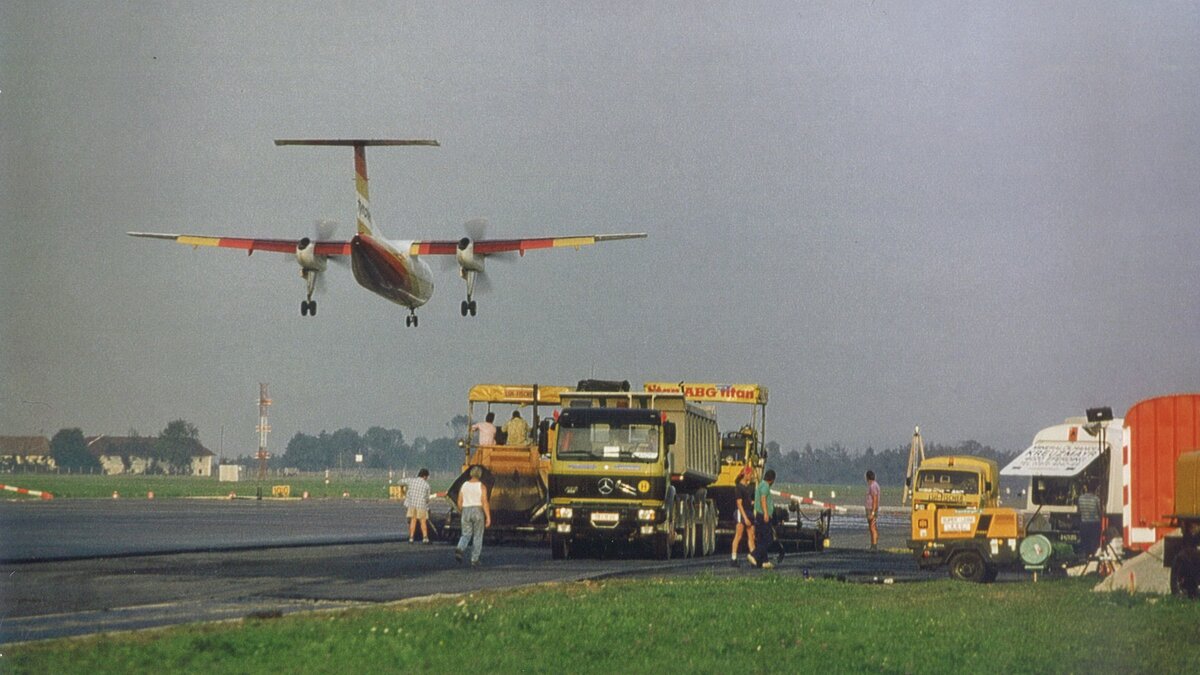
(632, 469)
(516, 475)
(803, 524)
(739, 449)
(1181, 552)
(957, 521)
(1128, 462)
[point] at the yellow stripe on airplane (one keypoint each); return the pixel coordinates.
(198, 241)
(574, 242)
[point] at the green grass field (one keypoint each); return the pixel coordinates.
(169, 487)
(758, 623)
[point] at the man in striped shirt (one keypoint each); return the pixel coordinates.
(1090, 517)
(416, 501)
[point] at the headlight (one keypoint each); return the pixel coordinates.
(646, 515)
(564, 513)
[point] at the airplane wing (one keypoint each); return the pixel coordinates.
(324, 248)
(490, 246)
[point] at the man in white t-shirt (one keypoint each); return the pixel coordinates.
(476, 516)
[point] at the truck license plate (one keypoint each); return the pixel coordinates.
(608, 518)
(958, 523)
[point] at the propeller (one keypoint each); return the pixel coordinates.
(326, 230)
(476, 228)
(323, 230)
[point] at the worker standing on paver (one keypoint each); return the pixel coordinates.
(517, 430)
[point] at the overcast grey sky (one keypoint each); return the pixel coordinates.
(976, 217)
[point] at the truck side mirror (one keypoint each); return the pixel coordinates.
(668, 433)
(544, 437)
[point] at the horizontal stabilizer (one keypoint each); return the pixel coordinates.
(353, 142)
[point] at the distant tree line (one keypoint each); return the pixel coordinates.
(837, 465)
(380, 449)
(168, 453)
(388, 449)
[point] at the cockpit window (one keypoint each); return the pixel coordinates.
(937, 480)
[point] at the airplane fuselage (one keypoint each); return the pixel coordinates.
(387, 270)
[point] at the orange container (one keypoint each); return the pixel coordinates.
(1157, 432)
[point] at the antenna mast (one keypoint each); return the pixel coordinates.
(916, 455)
(263, 428)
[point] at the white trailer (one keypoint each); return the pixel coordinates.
(1061, 459)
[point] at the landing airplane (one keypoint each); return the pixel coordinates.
(392, 269)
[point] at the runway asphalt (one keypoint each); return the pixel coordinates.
(77, 567)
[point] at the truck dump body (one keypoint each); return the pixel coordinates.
(1157, 432)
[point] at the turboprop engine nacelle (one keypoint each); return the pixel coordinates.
(306, 255)
(467, 260)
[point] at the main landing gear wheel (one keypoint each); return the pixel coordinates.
(468, 307)
(308, 307)
(411, 320)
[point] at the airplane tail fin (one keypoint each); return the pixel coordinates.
(365, 224)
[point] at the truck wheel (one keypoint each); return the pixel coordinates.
(559, 549)
(710, 527)
(968, 566)
(689, 530)
(662, 546)
(683, 527)
(1185, 573)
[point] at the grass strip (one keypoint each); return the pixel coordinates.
(759, 623)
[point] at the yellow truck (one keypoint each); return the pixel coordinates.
(631, 469)
(957, 521)
(739, 449)
(796, 529)
(1181, 552)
